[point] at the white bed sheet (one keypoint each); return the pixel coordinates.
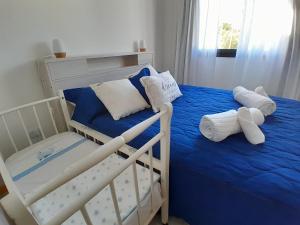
(100, 208)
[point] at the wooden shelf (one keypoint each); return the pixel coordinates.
(93, 56)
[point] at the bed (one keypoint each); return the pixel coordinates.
(71, 178)
(231, 182)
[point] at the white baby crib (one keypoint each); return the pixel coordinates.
(56, 175)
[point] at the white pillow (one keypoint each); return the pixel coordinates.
(120, 97)
(153, 72)
(160, 89)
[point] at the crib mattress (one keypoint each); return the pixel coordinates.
(34, 166)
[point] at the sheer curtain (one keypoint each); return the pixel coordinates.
(204, 44)
(197, 43)
(263, 45)
(290, 85)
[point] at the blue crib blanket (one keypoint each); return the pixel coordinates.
(231, 182)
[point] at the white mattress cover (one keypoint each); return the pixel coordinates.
(100, 208)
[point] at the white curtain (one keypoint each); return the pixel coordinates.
(201, 44)
(290, 85)
(263, 44)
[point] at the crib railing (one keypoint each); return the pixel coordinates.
(143, 154)
(103, 152)
(20, 117)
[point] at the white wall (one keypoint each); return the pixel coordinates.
(86, 27)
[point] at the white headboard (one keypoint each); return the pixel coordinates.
(81, 71)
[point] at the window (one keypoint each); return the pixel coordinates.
(230, 20)
(221, 24)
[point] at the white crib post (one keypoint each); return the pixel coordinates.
(86, 216)
(24, 127)
(9, 134)
(137, 192)
(64, 107)
(52, 117)
(151, 176)
(165, 157)
(38, 121)
(115, 201)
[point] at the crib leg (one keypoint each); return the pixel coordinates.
(165, 213)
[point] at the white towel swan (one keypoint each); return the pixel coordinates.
(258, 99)
(252, 132)
(217, 127)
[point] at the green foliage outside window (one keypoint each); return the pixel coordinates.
(228, 37)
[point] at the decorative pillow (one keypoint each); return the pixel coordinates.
(73, 94)
(88, 106)
(153, 72)
(135, 80)
(161, 89)
(120, 98)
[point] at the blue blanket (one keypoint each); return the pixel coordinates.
(231, 182)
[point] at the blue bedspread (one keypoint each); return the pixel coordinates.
(231, 182)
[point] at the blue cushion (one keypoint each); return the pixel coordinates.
(88, 106)
(136, 82)
(73, 94)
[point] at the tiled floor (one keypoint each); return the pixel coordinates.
(172, 221)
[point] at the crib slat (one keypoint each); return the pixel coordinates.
(9, 134)
(115, 201)
(38, 121)
(52, 117)
(151, 175)
(24, 127)
(86, 216)
(137, 192)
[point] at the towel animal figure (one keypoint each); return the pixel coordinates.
(255, 99)
(251, 131)
(217, 127)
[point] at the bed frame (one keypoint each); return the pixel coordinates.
(80, 71)
(110, 145)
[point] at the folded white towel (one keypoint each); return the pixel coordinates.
(252, 132)
(261, 91)
(217, 127)
(252, 99)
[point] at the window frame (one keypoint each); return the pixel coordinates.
(229, 53)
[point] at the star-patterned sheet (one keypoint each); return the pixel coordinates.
(100, 208)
